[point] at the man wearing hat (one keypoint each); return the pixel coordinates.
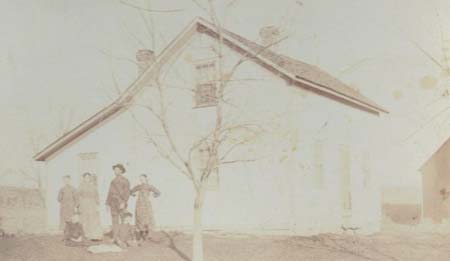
(118, 194)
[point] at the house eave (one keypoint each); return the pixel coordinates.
(71, 136)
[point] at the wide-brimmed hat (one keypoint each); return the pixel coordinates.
(119, 166)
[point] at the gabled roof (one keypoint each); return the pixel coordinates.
(309, 73)
(299, 73)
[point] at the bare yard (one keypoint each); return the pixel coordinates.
(176, 247)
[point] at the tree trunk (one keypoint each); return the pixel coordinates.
(197, 241)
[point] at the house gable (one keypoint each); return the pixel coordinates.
(293, 71)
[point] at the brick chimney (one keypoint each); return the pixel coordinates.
(269, 35)
(144, 59)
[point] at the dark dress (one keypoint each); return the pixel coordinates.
(144, 213)
(67, 198)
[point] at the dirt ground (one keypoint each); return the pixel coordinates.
(176, 247)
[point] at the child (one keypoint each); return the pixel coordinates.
(144, 212)
(67, 198)
(73, 232)
(126, 233)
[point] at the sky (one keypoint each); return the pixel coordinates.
(62, 60)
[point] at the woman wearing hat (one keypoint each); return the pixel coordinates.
(88, 207)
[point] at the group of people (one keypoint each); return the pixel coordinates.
(79, 213)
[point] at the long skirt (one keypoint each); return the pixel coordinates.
(90, 218)
(144, 213)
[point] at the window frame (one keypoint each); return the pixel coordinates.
(201, 82)
(84, 157)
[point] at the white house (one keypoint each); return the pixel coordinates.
(309, 170)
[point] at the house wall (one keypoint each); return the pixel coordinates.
(411, 134)
(402, 205)
(311, 169)
(435, 178)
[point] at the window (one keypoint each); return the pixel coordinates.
(88, 162)
(205, 89)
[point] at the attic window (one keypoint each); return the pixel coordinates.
(205, 88)
(88, 162)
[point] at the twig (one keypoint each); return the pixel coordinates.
(117, 57)
(427, 54)
(149, 27)
(151, 10)
(429, 121)
(200, 6)
(133, 36)
(239, 161)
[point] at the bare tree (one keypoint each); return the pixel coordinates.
(218, 144)
(442, 62)
(61, 120)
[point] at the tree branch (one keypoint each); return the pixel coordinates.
(161, 151)
(151, 10)
(428, 55)
(238, 161)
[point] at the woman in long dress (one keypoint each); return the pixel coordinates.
(144, 213)
(88, 206)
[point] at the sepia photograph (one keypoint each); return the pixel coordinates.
(225, 130)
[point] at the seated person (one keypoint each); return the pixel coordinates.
(73, 232)
(126, 232)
